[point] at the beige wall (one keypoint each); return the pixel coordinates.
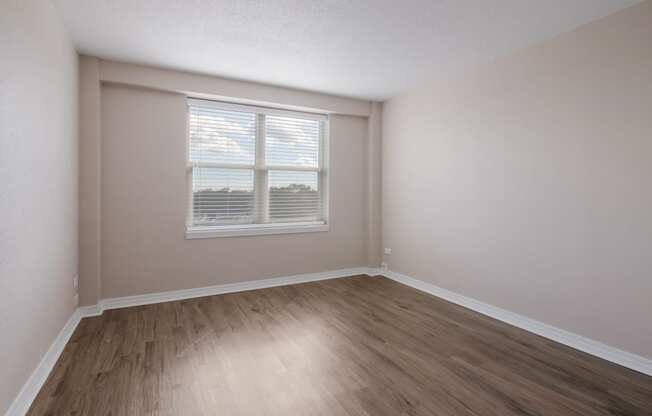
(89, 180)
(374, 185)
(38, 187)
(144, 201)
(526, 184)
(214, 87)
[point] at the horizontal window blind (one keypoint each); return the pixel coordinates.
(291, 142)
(222, 136)
(251, 165)
(294, 196)
(222, 196)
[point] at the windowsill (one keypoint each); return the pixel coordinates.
(241, 230)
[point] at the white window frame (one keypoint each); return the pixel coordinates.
(261, 170)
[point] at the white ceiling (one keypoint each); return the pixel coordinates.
(369, 49)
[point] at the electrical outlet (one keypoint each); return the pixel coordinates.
(75, 299)
(384, 266)
(388, 250)
(75, 283)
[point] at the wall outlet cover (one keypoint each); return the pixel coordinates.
(388, 250)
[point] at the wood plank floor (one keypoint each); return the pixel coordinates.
(351, 346)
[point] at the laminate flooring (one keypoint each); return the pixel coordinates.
(350, 346)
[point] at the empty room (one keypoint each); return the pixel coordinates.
(335, 207)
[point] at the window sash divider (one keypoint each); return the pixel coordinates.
(220, 165)
(261, 197)
(293, 168)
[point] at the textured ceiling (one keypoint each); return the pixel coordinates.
(369, 49)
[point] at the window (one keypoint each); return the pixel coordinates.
(254, 170)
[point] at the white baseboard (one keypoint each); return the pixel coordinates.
(598, 349)
(88, 311)
(30, 389)
(150, 298)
